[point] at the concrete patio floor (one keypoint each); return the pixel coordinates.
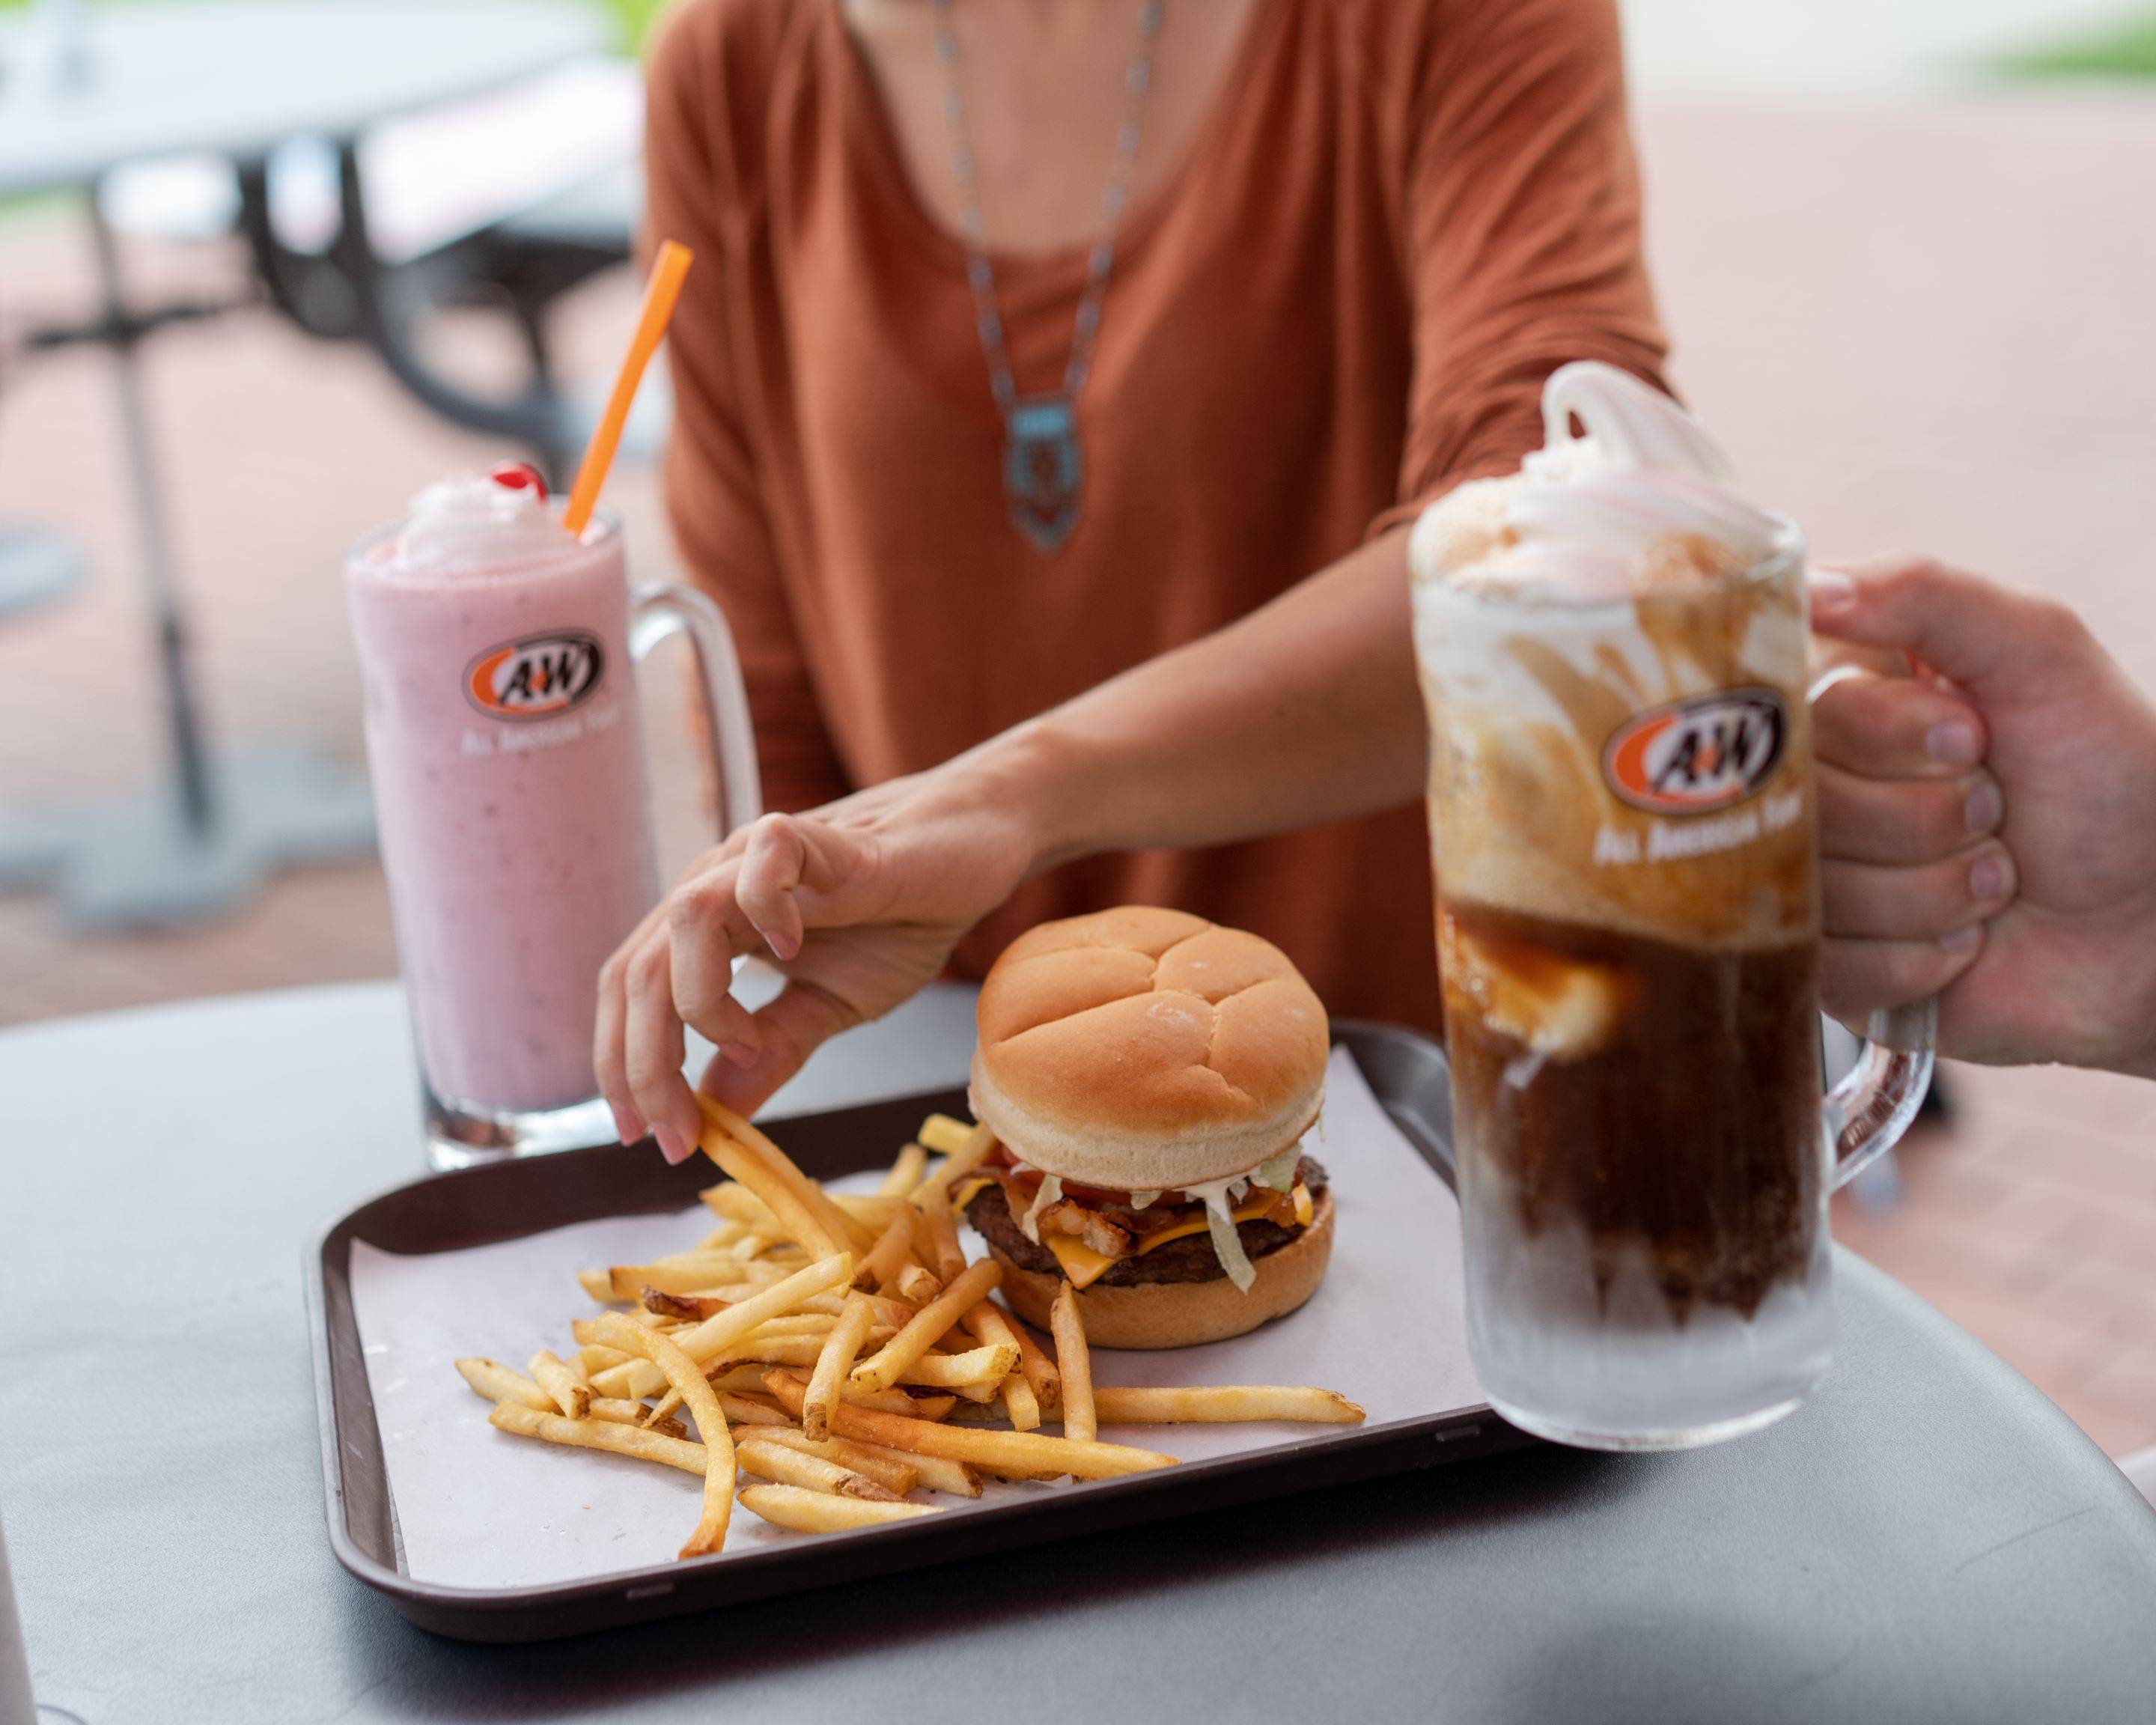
(1921, 326)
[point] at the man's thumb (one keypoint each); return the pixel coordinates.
(1988, 637)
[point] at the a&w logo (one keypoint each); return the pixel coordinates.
(1694, 757)
(537, 677)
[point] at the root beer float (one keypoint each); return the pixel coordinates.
(1612, 645)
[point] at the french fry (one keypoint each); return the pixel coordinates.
(1073, 1365)
(724, 1335)
(602, 1434)
(843, 1230)
(796, 1220)
(738, 1204)
(595, 1359)
(895, 1472)
(755, 1409)
(840, 1348)
(598, 1285)
(812, 1473)
(891, 1253)
(572, 1392)
(943, 1135)
(946, 1257)
(800, 1323)
(897, 1401)
(877, 1210)
(987, 1365)
(991, 1323)
(499, 1382)
(820, 1512)
(905, 1173)
(746, 1378)
(935, 1473)
(1023, 1405)
(630, 1280)
(687, 1377)
(1014, 1454)
(727, 1236)
(691, 1306)
(960, 1163)
(915, 1285)
(1222, 1404)
(633, 1413)
(880, 1370)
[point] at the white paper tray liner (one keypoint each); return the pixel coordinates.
(481, 1508)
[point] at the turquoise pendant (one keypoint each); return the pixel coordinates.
(1041, 469)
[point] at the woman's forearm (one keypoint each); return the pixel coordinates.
(1305, 711)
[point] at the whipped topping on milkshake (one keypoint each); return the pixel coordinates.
(471, 523)
(1639, 499)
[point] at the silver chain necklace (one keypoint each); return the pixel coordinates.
(1042, 470)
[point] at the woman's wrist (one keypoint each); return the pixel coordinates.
(1028, 779)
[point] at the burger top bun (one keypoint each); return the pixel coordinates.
(1142, 1048)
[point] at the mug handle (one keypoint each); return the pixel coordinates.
(657, 611)
(1870, 1109)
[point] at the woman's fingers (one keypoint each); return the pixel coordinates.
(1888, 727)
(789, 1029)
(787, 859)
(653, 1048)
(705, 929)
(609, 1034)
(1867, 901)
(1857, 977)
(1904, 820)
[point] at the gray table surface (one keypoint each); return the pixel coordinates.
(1928, 1539)
(237, 77)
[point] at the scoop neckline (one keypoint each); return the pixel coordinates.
(869, 129)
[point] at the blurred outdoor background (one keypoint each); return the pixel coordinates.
(1905, 249)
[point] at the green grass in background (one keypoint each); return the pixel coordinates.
(2124, 50)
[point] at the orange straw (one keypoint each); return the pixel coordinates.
(667, 271)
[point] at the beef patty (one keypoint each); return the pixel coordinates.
(1189, 1258)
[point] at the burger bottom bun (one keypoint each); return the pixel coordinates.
(1182, 1314)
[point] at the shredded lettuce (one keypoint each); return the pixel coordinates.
(1051, 1191)
(1228, 1245)
(1276, 1173)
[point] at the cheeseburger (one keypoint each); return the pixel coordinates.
(1148, 1077)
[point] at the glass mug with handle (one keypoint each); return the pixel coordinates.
(1613, 652)
(505, 741)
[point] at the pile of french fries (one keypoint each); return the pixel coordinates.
(840, 1352)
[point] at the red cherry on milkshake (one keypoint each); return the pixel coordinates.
(519, 477)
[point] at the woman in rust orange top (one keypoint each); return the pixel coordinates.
(1313, 258)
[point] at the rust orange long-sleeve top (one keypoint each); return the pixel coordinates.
(1399, 216)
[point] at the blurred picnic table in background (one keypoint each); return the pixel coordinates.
(1909, 290)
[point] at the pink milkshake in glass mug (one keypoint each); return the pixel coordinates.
(498, 654)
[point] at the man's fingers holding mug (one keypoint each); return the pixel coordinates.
(1857, 977)
(1904, 820)
(1869, 901)
(1887, 727)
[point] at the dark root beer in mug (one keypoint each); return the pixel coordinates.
(1623, 833)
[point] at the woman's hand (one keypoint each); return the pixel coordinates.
(859, 905)
(2041, 943)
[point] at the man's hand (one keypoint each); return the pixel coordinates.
(859, 904)
(2066, 969)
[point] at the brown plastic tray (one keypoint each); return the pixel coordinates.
(508, 1200)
